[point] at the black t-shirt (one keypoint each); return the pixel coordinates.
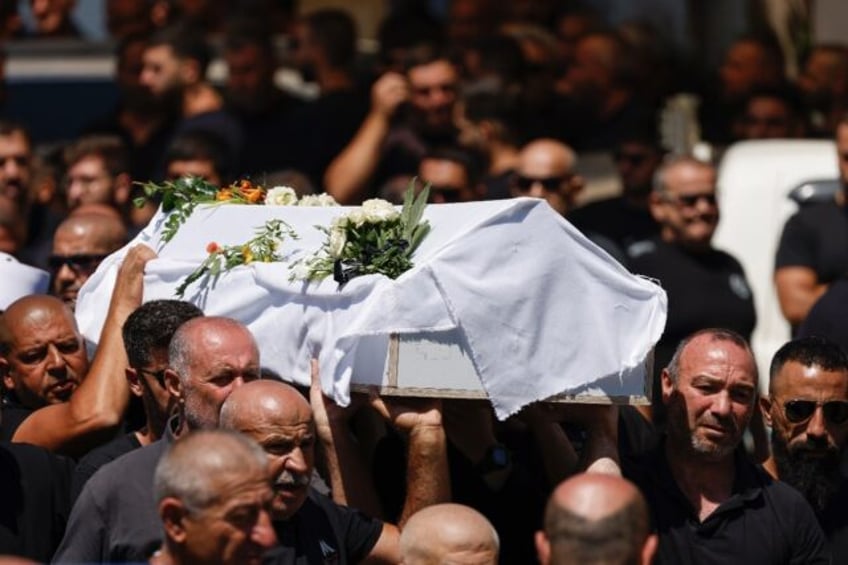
(827, 317)
(324, 532)
(763, 522)
(816, 237)
(617, 219)
(705, 290)
(34, 500)
(13, 416)
(834, 522)
(98, 457)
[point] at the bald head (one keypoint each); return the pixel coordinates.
(96, 227)
(546, 170)
(595, 518)
(80, 243)
(209, 358)
(279, 418)
(449, 533)
(42, 358)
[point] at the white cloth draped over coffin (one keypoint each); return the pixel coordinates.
(542, 308)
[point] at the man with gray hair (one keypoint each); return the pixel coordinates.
(708, 502)
(449, 533)
(596, 518)
(213, 493)
(114, 518)
(706, 287)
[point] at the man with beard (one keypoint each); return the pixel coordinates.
(310, 527)
(708, 502)
(173, 69)
(138, 119)
(410, 113)
(266, 113)
(807, 409)
(706, 287)
(824, 84)
(115, 518)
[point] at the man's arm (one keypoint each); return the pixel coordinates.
(350, 481)
(427, 477)
(798, 290)
(99, 403)
(348, 174)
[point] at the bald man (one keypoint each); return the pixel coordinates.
(80, 243)
(449, 533)
(546, 170)
(39, 344)
(596, 518)
(312, 528)
(213, 494)
(42, 357)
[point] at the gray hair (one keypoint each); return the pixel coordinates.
(185, 469)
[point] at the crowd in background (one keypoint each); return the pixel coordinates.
(139, 451)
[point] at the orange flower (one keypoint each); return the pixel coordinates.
(212, 247)
(253, 196)
(224, 194)
(247, 254)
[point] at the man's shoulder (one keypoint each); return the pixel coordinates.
(138, 464)
(110, 451)
(811, 215)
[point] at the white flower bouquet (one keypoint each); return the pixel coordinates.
(375, 238)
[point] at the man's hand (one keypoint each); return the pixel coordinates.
(409, 414)
(390, 91)
(328, 415)
(129, 283)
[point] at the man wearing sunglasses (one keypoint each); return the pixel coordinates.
(546, 170)
(80, 243)
(807, 409)
(708, 502)
(706, 287)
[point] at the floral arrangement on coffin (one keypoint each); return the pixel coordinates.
(180, 197)
(375, 238)
(264, 247)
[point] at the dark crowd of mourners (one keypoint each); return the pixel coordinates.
(165, 444)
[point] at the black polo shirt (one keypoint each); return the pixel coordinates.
(763, 522)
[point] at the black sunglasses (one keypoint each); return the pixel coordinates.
(83, 262)
(798, 411)
(449, 194)
(550, 184)
(634, 159)
(691, 200)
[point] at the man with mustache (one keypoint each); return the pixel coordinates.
(708, 502)
(807, 409)
(706, 287)
(310, 527)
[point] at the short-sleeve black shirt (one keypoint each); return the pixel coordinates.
(763, 522)
(816, 237)
(324, 532)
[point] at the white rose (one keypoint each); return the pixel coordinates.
(339, 223)
(338, 239)
(377, 210)
(281, 196)
(309, 200)
(325, 199)
(357, 217)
